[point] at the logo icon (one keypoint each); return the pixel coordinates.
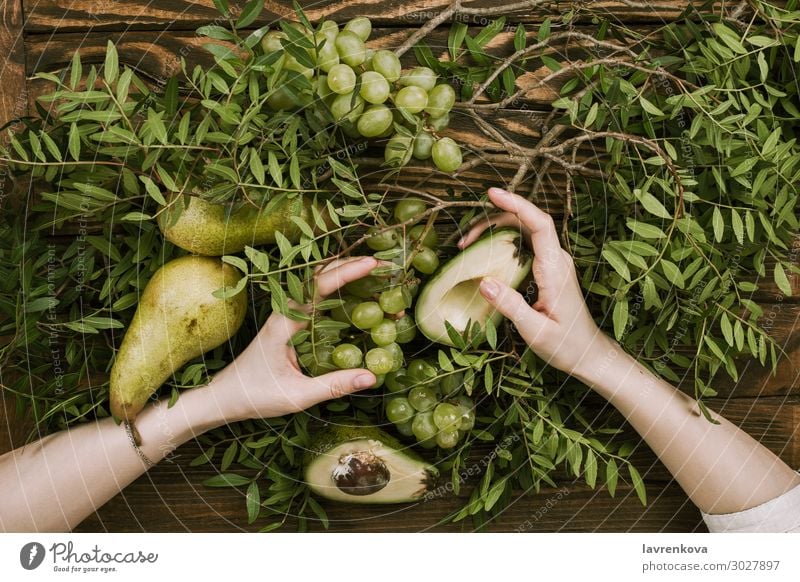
(31, 555)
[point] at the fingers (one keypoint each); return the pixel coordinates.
(337, 384)
(342, 272)
(498, 220)
(513, 306)
(540, 225)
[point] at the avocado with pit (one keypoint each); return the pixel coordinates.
(363, 464)
(205, 228)
(178, 319)
(453, 293)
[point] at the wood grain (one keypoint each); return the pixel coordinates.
(171, 497)
(13, 104)
(82, 15)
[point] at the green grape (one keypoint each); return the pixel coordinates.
(426, 261)
(291, 64)
(374, 87)
(396, 352)
(422, 398)
(411, 99)
(360, 26)
(365, 287)
(330, 30)
(397, 381)
(466, 420)
(420, 371)
(343, 312)
(423, 143)
(343, 108)
(447, 439)
(347, 356)
(367, 64)
(428, 444)
(351, 48)
(431, 239)
(326, 55)
(398, 150)
(381, 241)
(367, 315)
(452, 383)
(384, 333)
(379, 380)
(375, 121)
(421, 77)
(423, 426)
(445, 415)
(446, 155)
(271, 42)
(439, 123)
(404, 428)
(393, 300)
(349, 128)
(440, 100)
(341, 79)
(379, 361)
(406, 329)
(387, 64)
(409, 208)
(280, 99)
(398, 410)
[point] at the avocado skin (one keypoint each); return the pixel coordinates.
(203, 228)
(177, 319)
(335, 434)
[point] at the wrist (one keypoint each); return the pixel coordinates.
(598, 361)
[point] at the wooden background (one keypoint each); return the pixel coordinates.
(42, 35)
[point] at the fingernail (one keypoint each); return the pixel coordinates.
(489, 287)
(460, 243)
(364, 381)
(499, 192)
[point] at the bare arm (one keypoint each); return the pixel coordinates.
(55, 483)
(721, 468)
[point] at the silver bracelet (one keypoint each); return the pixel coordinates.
(129, 430)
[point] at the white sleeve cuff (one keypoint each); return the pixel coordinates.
(779, 515)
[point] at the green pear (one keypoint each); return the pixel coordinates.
(178, 318)
(203, 228)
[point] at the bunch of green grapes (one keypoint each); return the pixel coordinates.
(372, 323)
(369, 95)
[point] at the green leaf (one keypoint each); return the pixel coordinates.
(719, 224)
(111, 66)
(203, 457)
(250, 12)
(237, 262)
(222, 6)
(782, 281)
(455, 39)
(612, 476)
(620, 318)
(737, 225)
(226, 480)
(673, 273)
(590, 468)
(727, 329)
(259, 259)
(494, 493)
(253, 502)
(74, 142)
(644, 229)
(76, 70)
(638, 484)
(491, 334)
(229, 455)
(652, 204)
(617, 262)
(649, 107)
(519, 38)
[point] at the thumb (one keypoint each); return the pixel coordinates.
(340, 383)
(513, 306)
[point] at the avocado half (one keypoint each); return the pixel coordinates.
(363, 464)
(453, 294)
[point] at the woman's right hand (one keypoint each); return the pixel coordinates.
(558, 327)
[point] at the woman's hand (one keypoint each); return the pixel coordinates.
(265, 380)
(558, 327)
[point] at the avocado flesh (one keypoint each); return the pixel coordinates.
(205, 228)
(453, 293)
(177, 319)
(365, 465)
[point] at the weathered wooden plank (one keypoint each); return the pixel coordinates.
(13, 104)
(171, 497)
(82, 15)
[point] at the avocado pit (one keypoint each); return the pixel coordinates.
(360, 473)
